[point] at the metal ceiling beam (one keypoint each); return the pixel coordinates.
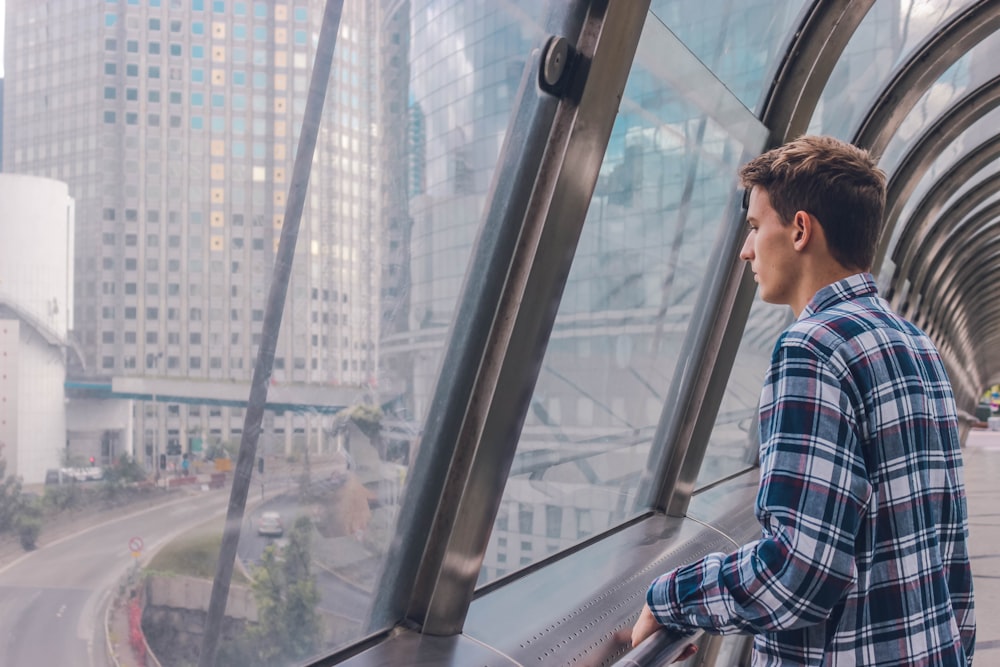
(916, 268)
(927, 62)
(922, 153)
(922, 222)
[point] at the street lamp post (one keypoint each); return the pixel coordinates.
(153, 361)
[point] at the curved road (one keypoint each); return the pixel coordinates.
(53, 600)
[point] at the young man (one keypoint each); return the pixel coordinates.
(863, 558)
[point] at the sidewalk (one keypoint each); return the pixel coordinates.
(982, 482)
(121, 651)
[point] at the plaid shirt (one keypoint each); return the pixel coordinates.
(863, 558)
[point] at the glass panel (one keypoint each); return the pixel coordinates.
(161, 206)
(884, 39)
(969, 72)
(666, 186)
(733, 444)
(972, 70)
(979, 132)
(740, 41)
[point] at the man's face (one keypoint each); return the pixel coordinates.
(769, 248)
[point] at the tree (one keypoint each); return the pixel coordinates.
(368, 419)
(18, 512)
(285, 590)
(12, 500)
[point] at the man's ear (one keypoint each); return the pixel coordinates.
(802, 230)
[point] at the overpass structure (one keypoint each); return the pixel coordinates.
(294, 397)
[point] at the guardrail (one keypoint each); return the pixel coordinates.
(660, 648)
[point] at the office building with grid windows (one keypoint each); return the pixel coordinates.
(175, 124)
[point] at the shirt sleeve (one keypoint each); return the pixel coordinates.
(813, 494)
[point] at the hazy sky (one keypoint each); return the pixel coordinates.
(3, 14)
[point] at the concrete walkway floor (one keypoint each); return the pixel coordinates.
(982, 481)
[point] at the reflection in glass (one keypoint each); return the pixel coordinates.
(740, 41)
(666, 185)
(733, 444)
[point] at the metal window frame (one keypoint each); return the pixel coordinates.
(789, 103)
(923, 222)
(925, 65)
(535, 212)
(949, 125)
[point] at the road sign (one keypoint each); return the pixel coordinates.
(135, 544)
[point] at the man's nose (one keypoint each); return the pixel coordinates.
(746, 253)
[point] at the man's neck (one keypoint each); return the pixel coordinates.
(816, 281)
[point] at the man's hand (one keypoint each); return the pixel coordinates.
(647, 625)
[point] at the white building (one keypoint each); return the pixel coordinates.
(36, 305)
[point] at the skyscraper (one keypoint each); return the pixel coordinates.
(175, 124)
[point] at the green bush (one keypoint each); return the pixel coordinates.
(28, 529)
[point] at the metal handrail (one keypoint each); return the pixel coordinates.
(660, 648)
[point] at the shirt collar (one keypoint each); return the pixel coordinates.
(851, 287)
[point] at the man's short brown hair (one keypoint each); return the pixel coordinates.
(838, 183)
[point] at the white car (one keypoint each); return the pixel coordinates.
(270, 525)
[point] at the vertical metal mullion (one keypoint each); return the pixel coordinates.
(429, 497)
(709, 352)
(502, 367)
(686, 400)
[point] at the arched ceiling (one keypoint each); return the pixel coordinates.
(939, 259)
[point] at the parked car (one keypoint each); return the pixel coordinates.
(270, 525)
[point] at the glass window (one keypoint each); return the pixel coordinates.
(884, 38)
(667, 184)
